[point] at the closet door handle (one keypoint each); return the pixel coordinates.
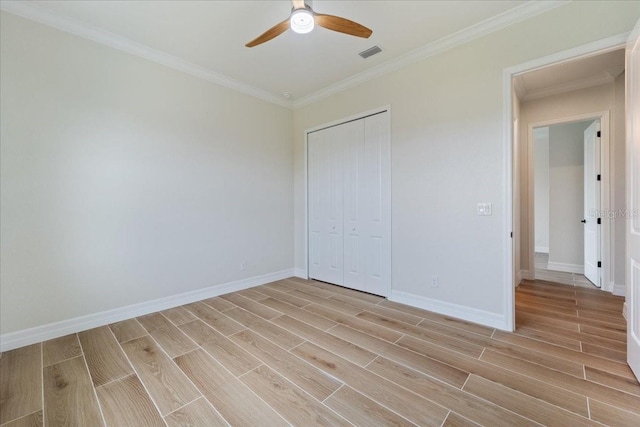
(584, 221)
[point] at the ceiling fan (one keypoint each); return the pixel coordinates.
(303, 19)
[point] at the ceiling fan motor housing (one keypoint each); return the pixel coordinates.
(302, 21)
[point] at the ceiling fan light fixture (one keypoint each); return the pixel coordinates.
(302, 21)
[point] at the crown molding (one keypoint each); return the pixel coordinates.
(43, 16)
(568, 87)
(493, 24)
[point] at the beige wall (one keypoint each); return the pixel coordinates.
(618, 193)
(124, 181)
(517, 204)
(447, 152)
(541, 188)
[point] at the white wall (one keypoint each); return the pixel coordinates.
(447, 153)
(541, 189)
(566, 194)
(124, 181)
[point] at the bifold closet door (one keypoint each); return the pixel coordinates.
(326, 182)
(349, 194)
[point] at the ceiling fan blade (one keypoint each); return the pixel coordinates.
(342, 25)
(271, 33)
(298, 4)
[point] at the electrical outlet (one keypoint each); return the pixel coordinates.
(435, 281)
(243, 265)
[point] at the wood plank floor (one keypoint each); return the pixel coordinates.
(298, 352)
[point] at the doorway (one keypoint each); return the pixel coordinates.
(568, 95)
(566, 65)
(566, 202)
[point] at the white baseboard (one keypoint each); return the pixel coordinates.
(58, 329)
(300, 272)
(526, 275)
(523, 275)
(481, 317)
(542, 249)
(567, 268)
(619, 290)
(518, 279)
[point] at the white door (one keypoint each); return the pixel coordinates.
(633, 200)
(354, 209)
(326, 205)
(592, 203)
(376, 190)
(349, 196)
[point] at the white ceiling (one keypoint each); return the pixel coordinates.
(571, 75)
(210, 35)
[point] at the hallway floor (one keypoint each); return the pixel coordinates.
(543, 273)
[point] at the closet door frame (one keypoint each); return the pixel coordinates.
(383, 109)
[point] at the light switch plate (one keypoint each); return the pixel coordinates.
(484, 209)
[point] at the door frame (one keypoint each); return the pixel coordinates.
(631, 307)
(590, 49)
(357, 116)
(606, 282)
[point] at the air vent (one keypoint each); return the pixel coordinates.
(370, 52)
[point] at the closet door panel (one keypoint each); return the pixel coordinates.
(354, 247)
(314, 198)
(334, 223)
(326, 250)
(376, 193)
